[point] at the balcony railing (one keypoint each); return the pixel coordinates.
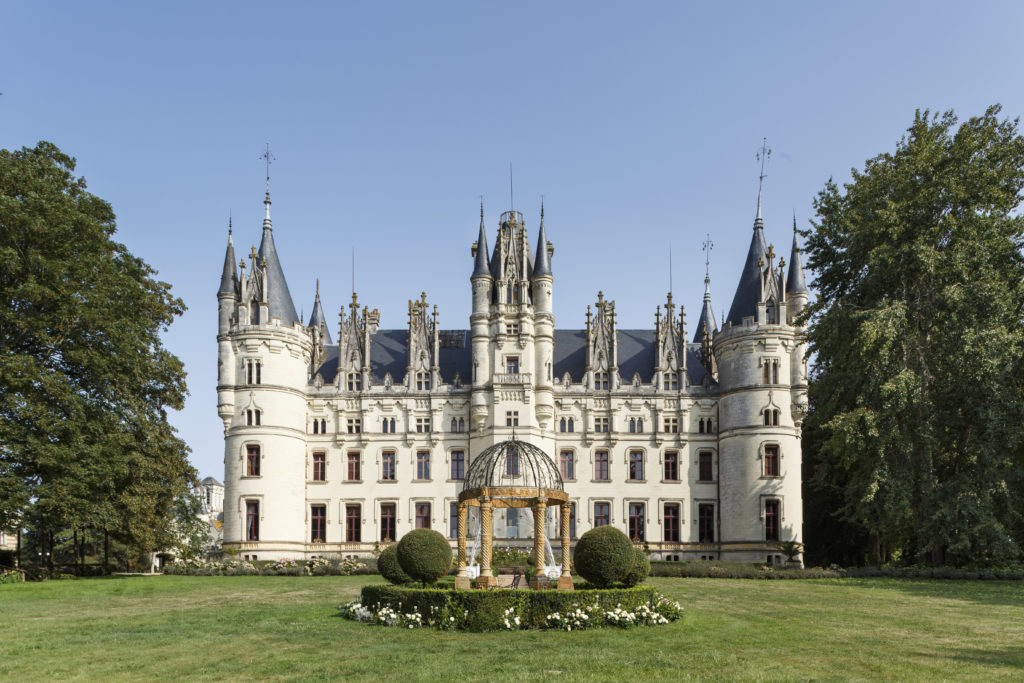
(513, 378)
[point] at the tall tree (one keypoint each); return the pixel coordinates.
(918, 336)
(85, 380)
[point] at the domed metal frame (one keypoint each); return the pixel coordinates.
(512, 474)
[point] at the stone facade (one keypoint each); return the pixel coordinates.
(334, 448)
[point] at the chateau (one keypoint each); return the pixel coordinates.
(333, 445)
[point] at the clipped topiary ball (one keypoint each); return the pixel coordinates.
(640, 570)
(424, 555)
(603, 556)
(387, 565)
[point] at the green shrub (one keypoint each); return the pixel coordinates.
(389, 568)
(603, 556)
(640, 570)
(424, 554)
(479, 610)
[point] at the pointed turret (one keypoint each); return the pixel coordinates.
(229, 278)
(480, 266)
(279, 299)
(795, 279)
(542, 264)
(706, 321)
(748, 292)
(317, 316)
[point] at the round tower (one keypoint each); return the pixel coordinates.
(759, 444)
(482, 282)
(542, 284)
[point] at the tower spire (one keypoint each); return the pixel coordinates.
(266, 201)
(795, 278)
(229, 278)
(480, 265)
(542, 264)
(706, 324)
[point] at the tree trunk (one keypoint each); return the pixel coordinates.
(106, 551)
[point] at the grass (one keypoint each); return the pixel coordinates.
(228, 628)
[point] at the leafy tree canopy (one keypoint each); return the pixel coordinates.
(85, 381)
(916, 396)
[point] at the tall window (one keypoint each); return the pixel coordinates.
(771, 417)
(769, 311)
(253, 371)
(771, 520)
(453, 520)
(567, 465)
(701, 430)
(512, 365)
(706, 522)
(602, 514)
(387, 521)
(511, 418)
(601, 380)
(422, 515)
(704, 471)
(355, 381)
(253, 418)
(771, 461)
(387, 466)
(511, 522)
(353, 466)
(423, 381)
(710, 429)
(318, 523)
(636, 465)
(423, 464)
(455, 425)
(771, 371)
(636, 521)
(319, 467)
(353, 523)
(254, 313)
(387, 425)
(671, 466)
(458, 465)
(636, 425)
(252, 461)
(566, 424)
(671, 425)
(252, 520)
(319, 426)
(512, 462)
(601, 465)
(671, 520)
(601, 424)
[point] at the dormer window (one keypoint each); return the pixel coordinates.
(254, 313)
(601, 380)
(769, 312)
(671, 381)
(355, 381)
(423, 381)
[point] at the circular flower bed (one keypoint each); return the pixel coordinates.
(511, 610)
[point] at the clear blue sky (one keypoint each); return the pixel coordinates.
(638, 122)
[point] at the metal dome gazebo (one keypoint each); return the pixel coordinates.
(512, 474)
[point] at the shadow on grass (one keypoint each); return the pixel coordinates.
(1008, 593)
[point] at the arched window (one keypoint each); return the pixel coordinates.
(639, 425)
(392, 425)
(632, 425)
(323, 426)
(462, 425)
(316, 426)
(384, 425)
(254, 313)
(769, 312)
(455, 425)
(710, 431)
(571, 424)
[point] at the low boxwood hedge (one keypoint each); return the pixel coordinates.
(488, 610)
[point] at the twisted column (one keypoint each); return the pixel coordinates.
(486, 538)
(462, 538)
(565, 580)
(539, 510)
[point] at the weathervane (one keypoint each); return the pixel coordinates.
(762, 156)
(269, 158)
(707, 246)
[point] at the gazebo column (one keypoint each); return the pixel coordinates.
(461, 580)
(539, 580)
(565, 580)
(486, 579)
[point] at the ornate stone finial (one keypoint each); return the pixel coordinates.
(600, 297)
(782, 262)
(668, 302)
(252, 252)
(263, 263)
(355, 299)
(241, 264)
(423, 297)
(771, 252)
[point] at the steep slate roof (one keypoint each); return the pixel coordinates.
(279, 298)
(389, 353)
(795, 277)
(543, 261)
(748, 291)
(480, 264)
(707, 316)
(317, 316)
(229, 278)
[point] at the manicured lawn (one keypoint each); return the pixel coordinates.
(230, 628)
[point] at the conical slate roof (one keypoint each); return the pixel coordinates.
(280, 300)
(480, 266)
(707, 316)
(542, 264)
(795, 278)
(744, 303)
(317, 316)
(229, 279)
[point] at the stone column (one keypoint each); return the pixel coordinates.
(539, 511)
(565, 580)
(486, 579)
(461, 580)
